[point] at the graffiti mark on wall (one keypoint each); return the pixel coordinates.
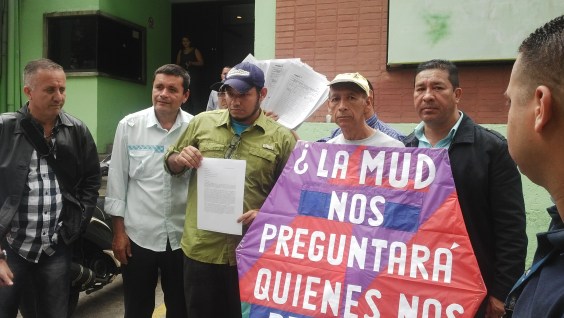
(438, 26)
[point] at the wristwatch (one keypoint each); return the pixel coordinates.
(3, 255)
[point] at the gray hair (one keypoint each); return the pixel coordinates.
(32, 67)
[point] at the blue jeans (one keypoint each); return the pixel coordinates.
(49, 280)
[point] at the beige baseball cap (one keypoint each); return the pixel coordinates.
(355, 78)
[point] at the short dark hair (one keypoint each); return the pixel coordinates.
(542, 55)
(175, 70)
(41, 64)
(441, 65)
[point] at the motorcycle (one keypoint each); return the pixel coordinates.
(94, 264)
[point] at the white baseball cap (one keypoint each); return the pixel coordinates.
(355, 78)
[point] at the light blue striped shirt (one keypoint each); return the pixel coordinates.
(443, 143)
(152, 202)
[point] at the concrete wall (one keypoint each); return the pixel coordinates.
(351, 36)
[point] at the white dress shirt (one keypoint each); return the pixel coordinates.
(152, 202)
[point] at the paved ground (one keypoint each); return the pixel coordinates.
(108, 302)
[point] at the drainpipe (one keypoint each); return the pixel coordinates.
(3, 34)
(10, 59)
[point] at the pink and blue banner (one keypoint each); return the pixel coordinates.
(354, 231)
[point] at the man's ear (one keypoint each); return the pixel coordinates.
(543, 107)
(457, 94)
(369, 104)
(263, 92)
(186, 96)
(27, 92)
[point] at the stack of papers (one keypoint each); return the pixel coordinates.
(295, 90)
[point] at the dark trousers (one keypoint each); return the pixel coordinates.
(211, 290)
(48, 281)
(140, 277)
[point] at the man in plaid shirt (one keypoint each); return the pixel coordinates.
(50, 179)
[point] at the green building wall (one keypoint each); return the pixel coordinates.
(265, 29)
(101, 101)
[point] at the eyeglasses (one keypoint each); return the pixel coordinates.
(232, 146)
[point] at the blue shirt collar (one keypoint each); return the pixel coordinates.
(443, 143)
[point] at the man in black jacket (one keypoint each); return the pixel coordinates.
(486, 178)
(50, 179)
(535, 130)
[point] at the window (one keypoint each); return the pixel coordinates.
(93, 43)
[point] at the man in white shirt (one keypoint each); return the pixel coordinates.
(148, 205)
(349, 101)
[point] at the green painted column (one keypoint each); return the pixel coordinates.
(12, 81)
(265, 29)
(3, 34)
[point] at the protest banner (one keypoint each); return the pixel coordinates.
(354, 231)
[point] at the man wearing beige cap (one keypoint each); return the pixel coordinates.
(349, 102)
(372, 120)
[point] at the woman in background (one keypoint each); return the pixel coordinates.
(191, 59)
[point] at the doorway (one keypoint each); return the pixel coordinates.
(223, 31)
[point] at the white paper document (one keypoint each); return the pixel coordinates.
(221, 186)
(295, 90)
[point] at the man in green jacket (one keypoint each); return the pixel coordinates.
(241, 132)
